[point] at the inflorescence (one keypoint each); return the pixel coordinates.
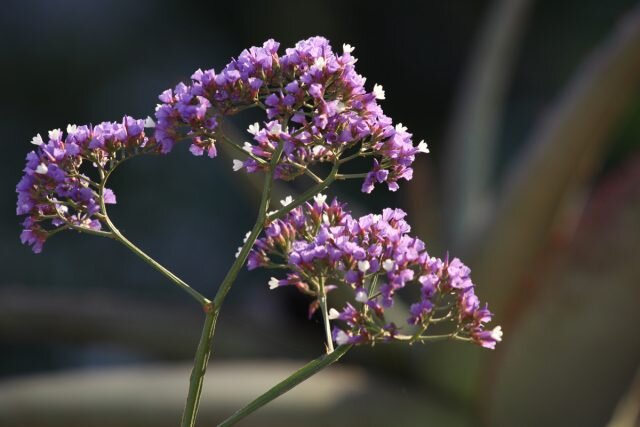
(317, 111)
(374, 257)
(61, 186)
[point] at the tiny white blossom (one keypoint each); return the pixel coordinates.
(247, 146)
(341, 106)
(287, 201)
(238, 251)
(246, 236)
(62, 208)
(325, 219)
(347, 48)
(272, 213)
(37, 140)
(361, 296)
(422, 147)
(149, 123)
(71, 129)
(388, 265)
(400, 128)
(317, 150)
(320, 198)
(342, 338)
(273, 283)
(496, 333)
(333, 314)
(237, 165)
(363, 266)
(55, 134)
(320, 62)
(42, 169)
(378, 92)
(254, 128)
(276, 129)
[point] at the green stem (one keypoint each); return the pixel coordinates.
(199, 369)
(325, 316)
(115, 233)
(308, 194)
(202, 300)
(351, 176)
(206, 341)
(301, 375)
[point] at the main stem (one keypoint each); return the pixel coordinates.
(206, 339)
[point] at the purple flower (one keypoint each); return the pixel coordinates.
(374, 257)
(311, 92)
(55, 193)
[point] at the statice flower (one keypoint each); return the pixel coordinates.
(374, 257)
(60, 188)
(317, 109)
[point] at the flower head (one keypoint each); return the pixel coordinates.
(57, 192)
(374, 257)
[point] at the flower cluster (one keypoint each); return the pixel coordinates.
(316, 105)
(57, 191)
(324, 247)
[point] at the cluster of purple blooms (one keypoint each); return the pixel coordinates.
(57, 191)
(318, 110)
(374, 257)
(316, 104)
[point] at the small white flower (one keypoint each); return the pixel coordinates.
(422, 147)
(341, 106)
(388, 265)
(333, 314)
(496, 333)
(272, 213)
(42, 169)
(238, 251)
(347, 48)
(71, 129)
(400, 128)
(342, 338)
(361, 296)
(378, 92)
(273, 283)
(246, 236)
(37, 140)
(149, 123)
(325, 218)
(62, 208)
(320, 62)
(254, 128)
(363, 266)
(247, 146)
(320, 198)
(317, 150)
(237, 165)
(287, 201)
(55, 134)
(275, 130)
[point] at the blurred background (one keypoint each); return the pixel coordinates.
(532, 113)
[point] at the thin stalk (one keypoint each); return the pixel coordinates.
(206, 340)
(301, 375)
(308, 194)
(202, 300)
(199, 369)
(116, 234)
(325, 316)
